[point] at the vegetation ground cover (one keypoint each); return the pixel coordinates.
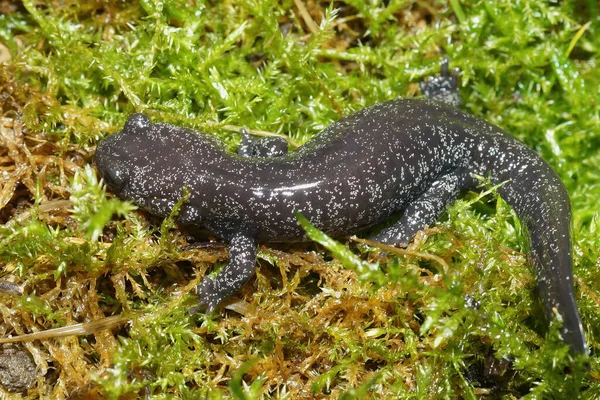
(455, 316)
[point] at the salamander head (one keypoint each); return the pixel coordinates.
(111, 152)
(138, 164)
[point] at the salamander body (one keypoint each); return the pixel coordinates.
(406, 155)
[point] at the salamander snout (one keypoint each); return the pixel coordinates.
(113, 154)
(112, 170)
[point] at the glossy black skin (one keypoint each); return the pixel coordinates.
(408, 155)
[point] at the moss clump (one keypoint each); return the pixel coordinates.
(455, 316)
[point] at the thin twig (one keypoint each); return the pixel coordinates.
(403, 252)
(85, 328)
(312, 25)
(257, 132)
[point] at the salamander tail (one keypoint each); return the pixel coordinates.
(542, 203)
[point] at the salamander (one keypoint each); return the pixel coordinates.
(410, 156)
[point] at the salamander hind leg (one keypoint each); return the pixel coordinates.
(242, 261)
(426, 209)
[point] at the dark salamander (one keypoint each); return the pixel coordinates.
(406, 155)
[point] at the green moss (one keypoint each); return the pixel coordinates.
(457, 314)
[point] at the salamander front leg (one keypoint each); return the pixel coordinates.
(266, 147)
(424, 210)
(242, 261)
(443, 88)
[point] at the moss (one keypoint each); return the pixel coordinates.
(456, 315)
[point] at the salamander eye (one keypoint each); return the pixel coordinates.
(116, 176)
(136, 123)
